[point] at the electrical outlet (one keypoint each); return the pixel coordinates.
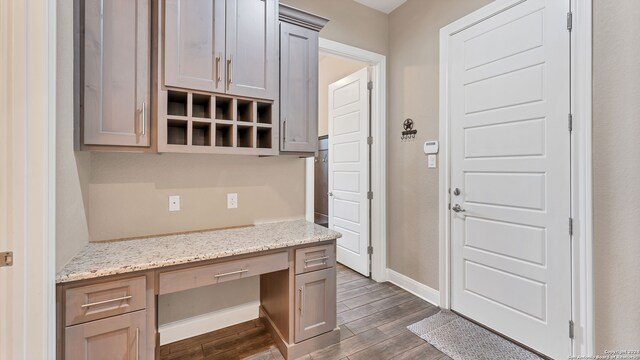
(174, 203)
(232, 201)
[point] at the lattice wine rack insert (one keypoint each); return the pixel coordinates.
(211, 123)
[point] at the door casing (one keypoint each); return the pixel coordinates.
(583, 343)
(378, 233)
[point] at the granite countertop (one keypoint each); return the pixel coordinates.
(118, 257)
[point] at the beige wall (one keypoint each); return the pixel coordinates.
(331, 69)
(72, 169)
(413, 93)
(616, 181)
(128, 193)
(350, 23)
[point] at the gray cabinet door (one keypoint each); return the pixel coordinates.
(252, 48)
(298, 89)
(118, 337)
(315, 311)
(194, 38)
(116, 75)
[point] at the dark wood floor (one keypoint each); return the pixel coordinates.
(373, 319)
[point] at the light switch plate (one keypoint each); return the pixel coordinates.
(431, 161)
(232, 201)
(174, 203)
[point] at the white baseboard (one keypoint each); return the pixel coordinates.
(202, 324)
(416, 288)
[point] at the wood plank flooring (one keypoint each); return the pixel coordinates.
(372, 317)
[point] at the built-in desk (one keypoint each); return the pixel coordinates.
(107, 295)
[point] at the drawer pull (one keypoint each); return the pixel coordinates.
(106, 301)
(323, 259)
(231, 273)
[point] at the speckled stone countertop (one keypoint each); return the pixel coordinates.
(119, 257)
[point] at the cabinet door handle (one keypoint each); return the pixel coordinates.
(137, 343)
(301, 304)
(284, 133)
(218, 70)
(106, 301)
(229, 71)
(144, 118)
(231, 273)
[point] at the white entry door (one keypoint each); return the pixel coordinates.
(510, 175)
(349, 169)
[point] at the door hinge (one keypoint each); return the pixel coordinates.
(570, 122)
(370, 85)
(569, 20)
(370, 250)
(571, 329)
(571, 226)
(370, 195)
(6, 258)
(449, 206)
(370, 140)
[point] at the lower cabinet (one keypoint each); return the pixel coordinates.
(117, 337)
(315, 303)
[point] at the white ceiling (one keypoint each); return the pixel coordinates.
(386, 6)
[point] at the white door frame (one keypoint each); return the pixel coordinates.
(378, 234)
(581, 203)
(27, 178)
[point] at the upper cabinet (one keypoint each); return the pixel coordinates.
(194, 45)
(299, 80)
(115, 73)
(252, 48)
(222, 46)
(196, 76)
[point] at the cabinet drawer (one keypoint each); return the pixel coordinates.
(178, 280)
(315, 258)
(93, 302)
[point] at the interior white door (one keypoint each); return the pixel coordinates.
(27, 149)
(510, 154)
(349, 169)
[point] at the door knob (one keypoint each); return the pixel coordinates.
(330, 194)
(457, 208)
(457, 192)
